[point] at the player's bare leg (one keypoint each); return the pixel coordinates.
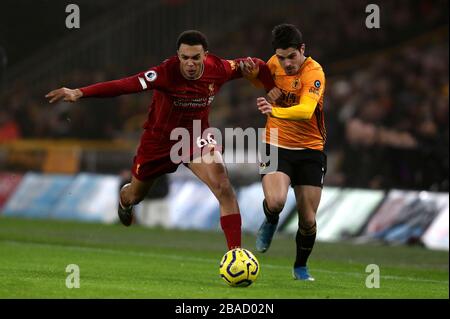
(275, 187)
(132, 194)
(213, 173)
(308, 199)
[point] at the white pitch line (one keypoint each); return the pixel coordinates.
(208, 260)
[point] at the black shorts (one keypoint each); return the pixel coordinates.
(304, 167)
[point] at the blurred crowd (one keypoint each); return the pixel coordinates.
(387, 116)
(388, 123)
(335, 30)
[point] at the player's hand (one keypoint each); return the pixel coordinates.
(249, 68)
(263, 106)
(65, 94)
(274, 94)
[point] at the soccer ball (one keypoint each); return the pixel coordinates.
(239, 267)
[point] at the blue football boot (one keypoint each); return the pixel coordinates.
(301, 273)
(265, 235)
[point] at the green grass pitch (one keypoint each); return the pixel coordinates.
(138, 262)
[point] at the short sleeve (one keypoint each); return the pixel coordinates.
(313, 84)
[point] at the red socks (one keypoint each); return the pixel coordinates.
(231, 225)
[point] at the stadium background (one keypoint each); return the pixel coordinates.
(386, 110)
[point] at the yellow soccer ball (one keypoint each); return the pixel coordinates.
(239, 267)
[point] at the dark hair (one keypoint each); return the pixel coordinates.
(192, 37)
(286, 36)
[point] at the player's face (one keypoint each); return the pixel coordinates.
(191, 60)
(290, 59)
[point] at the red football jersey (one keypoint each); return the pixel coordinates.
(177, 101)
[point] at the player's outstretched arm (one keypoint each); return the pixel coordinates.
(65, 94)
(257, 72)
(253, 69)
(249, 68)
(151, 79)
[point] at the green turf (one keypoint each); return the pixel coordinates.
(138, 262)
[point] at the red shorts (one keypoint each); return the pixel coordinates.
(152, 161)
(146, 170)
